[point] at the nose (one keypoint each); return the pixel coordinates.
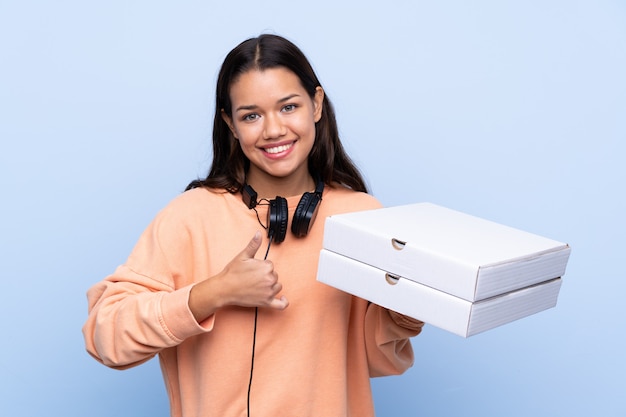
(273, 127)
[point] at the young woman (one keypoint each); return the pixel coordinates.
(241, 330)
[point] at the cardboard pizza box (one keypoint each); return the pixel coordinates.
(462, 255)
(437, 308)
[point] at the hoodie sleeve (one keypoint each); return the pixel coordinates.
(387, 342)
(142, 307)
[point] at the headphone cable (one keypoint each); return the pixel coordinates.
(256, 317)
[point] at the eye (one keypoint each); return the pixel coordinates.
(250, 117)
(289, 108)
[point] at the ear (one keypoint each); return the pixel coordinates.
(318, 103)
(229, 121)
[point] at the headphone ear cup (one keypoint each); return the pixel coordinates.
(305, 214)
(277, 219)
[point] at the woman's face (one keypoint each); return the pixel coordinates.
(273, 118)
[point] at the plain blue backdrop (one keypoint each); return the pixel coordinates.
(514, 111)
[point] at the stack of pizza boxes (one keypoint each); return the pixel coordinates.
(452, 270)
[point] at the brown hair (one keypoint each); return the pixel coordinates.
(327, 160)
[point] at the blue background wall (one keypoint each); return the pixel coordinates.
(512, 111)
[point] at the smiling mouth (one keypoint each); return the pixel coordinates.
(278, 149)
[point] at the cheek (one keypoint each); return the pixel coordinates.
(249, 150)
(247, 147)
(246, 135)
(306, 125)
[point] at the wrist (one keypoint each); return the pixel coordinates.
(205, 299)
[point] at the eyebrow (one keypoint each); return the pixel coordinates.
(254, 106)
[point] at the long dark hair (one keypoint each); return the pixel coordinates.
(327, 160)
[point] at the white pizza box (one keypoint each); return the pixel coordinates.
(453, 252)
(437, 308)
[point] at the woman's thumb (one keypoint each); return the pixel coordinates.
(253, 246)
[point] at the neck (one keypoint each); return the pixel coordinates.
(269, 187)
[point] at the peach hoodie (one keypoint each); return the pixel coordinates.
(314, 358)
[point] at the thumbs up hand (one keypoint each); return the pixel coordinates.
(245, 281)
(252, 282)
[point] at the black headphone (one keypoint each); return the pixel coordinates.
(278, 212)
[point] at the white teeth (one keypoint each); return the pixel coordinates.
(278, 149)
